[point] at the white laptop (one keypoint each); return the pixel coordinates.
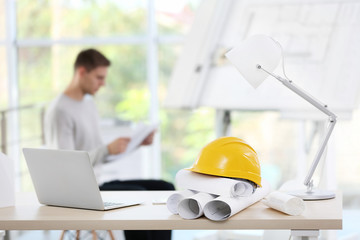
(66, 178)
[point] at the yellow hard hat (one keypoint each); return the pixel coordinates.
(229, 157)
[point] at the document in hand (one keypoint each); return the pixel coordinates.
(139, 135)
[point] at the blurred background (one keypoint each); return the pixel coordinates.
(146, 40)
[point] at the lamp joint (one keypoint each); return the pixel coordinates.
(310, 186)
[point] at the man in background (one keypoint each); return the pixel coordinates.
(72, 122)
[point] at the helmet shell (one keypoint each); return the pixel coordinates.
(229, 157)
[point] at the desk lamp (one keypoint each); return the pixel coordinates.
(256, 58)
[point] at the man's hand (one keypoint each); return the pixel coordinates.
(117, 146)
(149, 139)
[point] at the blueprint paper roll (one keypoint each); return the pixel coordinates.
(187, 179)
(174, 199)
(192, 207)
(242, 189)
(222, 207)
(285, 203)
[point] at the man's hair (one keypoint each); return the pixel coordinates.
(91, 59)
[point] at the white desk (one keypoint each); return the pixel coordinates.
(28, 214)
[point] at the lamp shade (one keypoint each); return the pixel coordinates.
(256, 50)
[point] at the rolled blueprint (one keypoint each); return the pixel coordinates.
(285, 203)
(187, 179)
(192, 207)
(221, 208)
(174, 199)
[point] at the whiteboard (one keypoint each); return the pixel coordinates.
(321, 48)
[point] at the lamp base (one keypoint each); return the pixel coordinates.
(313, 195)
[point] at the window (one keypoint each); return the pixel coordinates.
(3, 79)
(183, 132)
(2, 20)
(175, 17)
(46, 48)
(77, 19)
(3, 65)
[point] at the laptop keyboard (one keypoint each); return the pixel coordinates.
(110, 204)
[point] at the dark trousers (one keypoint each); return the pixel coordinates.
(141, 185)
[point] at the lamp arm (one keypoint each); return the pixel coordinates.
(289, 84)
(307, 181)
(332, 121)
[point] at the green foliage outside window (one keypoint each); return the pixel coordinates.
(84, 18)
(134, 107)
